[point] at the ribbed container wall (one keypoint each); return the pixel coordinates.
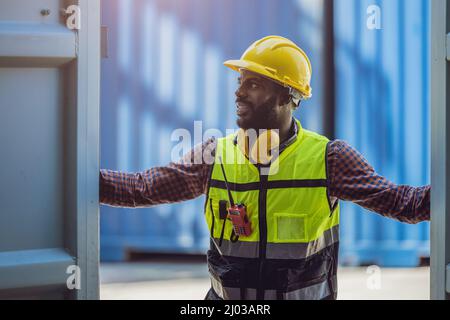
(383, 109)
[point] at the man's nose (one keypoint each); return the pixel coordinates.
(240, 92)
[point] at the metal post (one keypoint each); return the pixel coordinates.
(440, 144)
(329, 100)
(88, 149)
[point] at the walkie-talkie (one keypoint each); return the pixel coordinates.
(237, 213)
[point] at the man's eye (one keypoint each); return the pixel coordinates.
(254, 85)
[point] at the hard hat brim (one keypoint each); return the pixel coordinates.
(236, 65)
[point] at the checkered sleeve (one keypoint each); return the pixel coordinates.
(352, 178)
(176, 182)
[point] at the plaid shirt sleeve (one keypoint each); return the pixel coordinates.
(176, 182)
(352, 178)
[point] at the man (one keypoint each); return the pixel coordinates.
(282, 241)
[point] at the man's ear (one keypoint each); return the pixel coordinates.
(284, 97)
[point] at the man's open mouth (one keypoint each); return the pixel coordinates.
(242, 109)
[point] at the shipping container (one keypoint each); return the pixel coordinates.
(49, 142)
(383, 110)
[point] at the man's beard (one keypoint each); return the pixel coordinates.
(261, 117)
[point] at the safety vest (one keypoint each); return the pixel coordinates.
(292, 252)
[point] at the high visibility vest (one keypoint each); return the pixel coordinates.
(293, 249)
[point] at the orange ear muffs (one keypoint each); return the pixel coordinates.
(258, 149)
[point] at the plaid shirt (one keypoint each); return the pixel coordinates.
(350, 178)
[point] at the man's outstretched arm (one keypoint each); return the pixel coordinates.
(180, 181)
(352, 178)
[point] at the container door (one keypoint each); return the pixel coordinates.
(440, 144)
(49, 159)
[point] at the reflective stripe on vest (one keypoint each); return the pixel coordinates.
(244, 249)
(316, 291)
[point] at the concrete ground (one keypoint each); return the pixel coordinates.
(175, 280)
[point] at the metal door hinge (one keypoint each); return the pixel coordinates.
(447, 276)
(448, 46)
(104, 41)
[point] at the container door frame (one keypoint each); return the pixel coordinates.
(440, 146)
(88, 155)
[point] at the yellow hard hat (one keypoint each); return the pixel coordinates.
(279, 59)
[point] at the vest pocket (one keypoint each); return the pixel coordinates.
(290, 227)
(215, 224)
(219, 225)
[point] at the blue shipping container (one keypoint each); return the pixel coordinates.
(382, 109)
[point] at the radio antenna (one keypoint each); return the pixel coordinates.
(226, 182)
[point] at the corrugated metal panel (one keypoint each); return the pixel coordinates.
(49, 137)
(383, 110)
(164, 71)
